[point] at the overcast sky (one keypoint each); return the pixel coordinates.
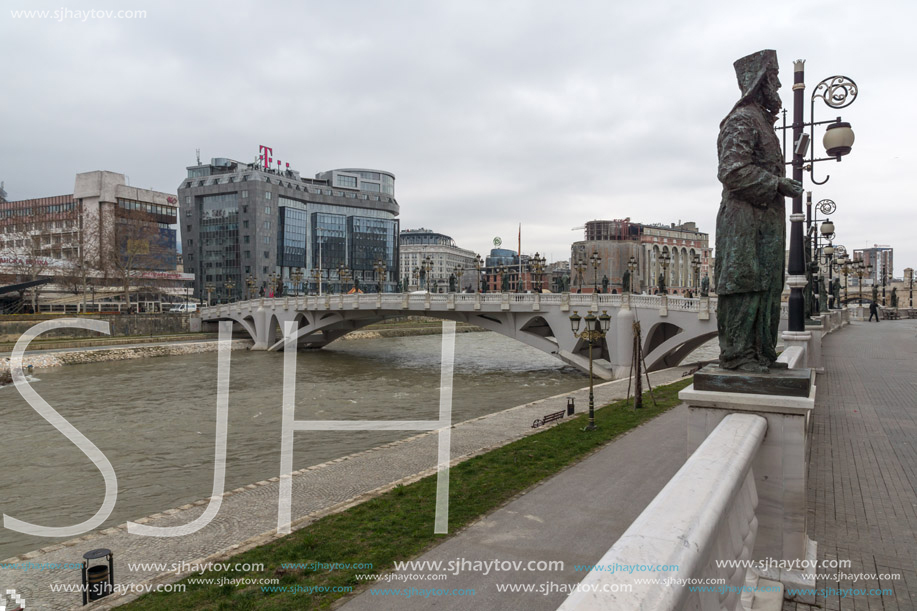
(489, 113)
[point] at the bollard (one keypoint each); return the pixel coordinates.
(98, 580)
(570, 406)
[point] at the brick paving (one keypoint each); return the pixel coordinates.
(863, 471)
(248, 516)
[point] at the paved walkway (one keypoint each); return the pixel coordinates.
(573, 517)
(248, 515)
(863, 472)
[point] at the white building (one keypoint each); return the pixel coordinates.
(418, 244)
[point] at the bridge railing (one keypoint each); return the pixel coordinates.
(706, 513)
(442, 301)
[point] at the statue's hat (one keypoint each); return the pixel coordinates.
(751, 70)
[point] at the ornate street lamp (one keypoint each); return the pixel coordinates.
(596, 260)
(459, 271)
(632, 268)
(478, 263)
(580, 267)
(837, 92)
(250, 283)
(297, 279)
(427, 266)
(501, 271)
(209, 288)
(317, 275)
(538, 270)
(664, 260)
(229, 287)
(695, 266)
(380, 268)
(594, 333)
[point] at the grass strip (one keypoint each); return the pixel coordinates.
(398, 525)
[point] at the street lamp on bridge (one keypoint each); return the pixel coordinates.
(632, 268)
(209, 288)
(580, 267)
(837, 92)
(594, 333)
(250, 283)
(596, 260)
(380, 268)
(478, 264)
(297, 280)
(664, 259)
(538, 270)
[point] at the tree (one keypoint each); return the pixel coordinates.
(131, 245)
(21, 255)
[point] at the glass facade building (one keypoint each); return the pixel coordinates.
(252, 228)
(218, 248)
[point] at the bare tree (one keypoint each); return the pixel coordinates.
(130, 246)
(23, 259)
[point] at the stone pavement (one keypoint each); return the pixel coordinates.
(573, 517)
(248, 515)
(863, 471)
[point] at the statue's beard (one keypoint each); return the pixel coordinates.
(771, 102)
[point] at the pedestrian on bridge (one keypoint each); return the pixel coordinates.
(873, 311)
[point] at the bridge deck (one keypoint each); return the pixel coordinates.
(863, 472)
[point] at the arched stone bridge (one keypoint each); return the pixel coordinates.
(671, 327)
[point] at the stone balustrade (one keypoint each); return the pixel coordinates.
(706, 513)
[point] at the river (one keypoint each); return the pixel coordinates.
(154, 419)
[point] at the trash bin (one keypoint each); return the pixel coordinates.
(570, 406)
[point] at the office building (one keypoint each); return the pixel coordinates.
(250, 229)
(106, 236)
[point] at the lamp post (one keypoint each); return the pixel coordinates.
(837, 92)
(632, 268)
(596, 260)
(250, 283)
(909, 276)
(695, 266)
(427, 268)
(594, 333)
(380, 268)
(317, 275)
(297, 279)
(884, 278)
(501, 271)
(209, 288)
(478, 263)
(415, 274)
(538, 269)
(580, 267)
(459, 271)
(664, 259)
(229, 287)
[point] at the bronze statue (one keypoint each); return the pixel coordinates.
(836, 291)
(750, 224)
(895, 297)
(625, 282)
(705, 287)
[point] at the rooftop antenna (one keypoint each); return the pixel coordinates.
(197, 153)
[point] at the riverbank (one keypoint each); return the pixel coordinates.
(248, 514)
(42, 359)
(55, 353)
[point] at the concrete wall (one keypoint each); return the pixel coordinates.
(11, 327)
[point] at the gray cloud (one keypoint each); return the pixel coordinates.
(489, 113)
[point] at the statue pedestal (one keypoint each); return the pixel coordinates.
(785, 398)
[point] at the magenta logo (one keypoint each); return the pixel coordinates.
(265, 154)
